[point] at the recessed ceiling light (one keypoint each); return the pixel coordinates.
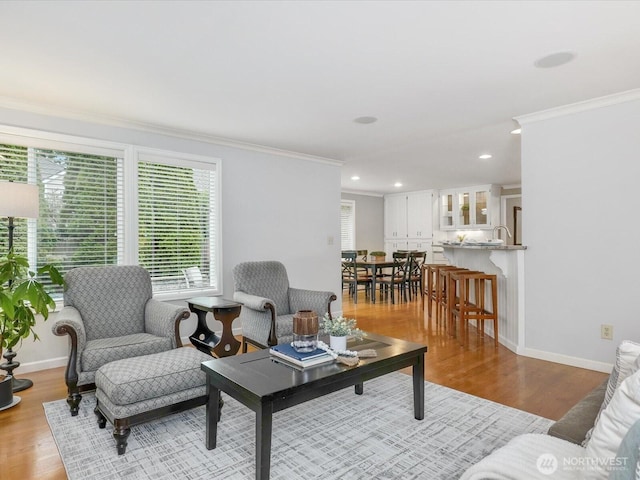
(554, 59)
(365, 120)
(397, 184)
(355, 177)
(485, 156)
(517, 131)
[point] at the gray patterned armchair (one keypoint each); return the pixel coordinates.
(109, 315)
(268, 303)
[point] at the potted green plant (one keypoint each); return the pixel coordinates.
(338, 329)
(378, 255)
(22, 297)
(465, 213)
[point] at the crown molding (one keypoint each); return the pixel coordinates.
(358, 192)
(84, 116)
(616, 98)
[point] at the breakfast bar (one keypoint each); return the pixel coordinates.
(507, 262)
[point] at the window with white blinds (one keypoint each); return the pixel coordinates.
(175, 218)
(348, 224)
(167, 222)
(78, 222)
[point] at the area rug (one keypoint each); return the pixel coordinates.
(335, 437)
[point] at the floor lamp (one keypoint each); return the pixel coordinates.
(17, 200)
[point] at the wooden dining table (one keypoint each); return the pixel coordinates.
(375, 266)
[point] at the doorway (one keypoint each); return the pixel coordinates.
(511, 216)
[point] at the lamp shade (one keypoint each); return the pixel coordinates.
(18, 200)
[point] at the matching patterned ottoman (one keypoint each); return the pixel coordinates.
(134, 390)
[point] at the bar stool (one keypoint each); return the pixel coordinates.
(464, 307)
(442, 295)
(429, 280)
(427, 286)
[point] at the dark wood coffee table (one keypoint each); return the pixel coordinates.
(266, 386)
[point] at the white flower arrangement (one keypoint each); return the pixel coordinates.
(341, 327)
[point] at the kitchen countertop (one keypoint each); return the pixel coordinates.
(469, 246)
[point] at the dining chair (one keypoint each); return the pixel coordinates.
(397, 278)
(414, 275)
(362, 255)
(353, 276)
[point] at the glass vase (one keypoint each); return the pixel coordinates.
(305, 331)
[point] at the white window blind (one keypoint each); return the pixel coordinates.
(77, 222)
(175, 216)
(110, 206)
(348, 224)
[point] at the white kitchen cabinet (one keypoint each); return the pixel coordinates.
(408, 215)
(395, 216)
(419, 245)
(470, 208)
(419, 215)
(408, 221)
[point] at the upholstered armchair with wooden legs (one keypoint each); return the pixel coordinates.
(109, 314)
(268, 303)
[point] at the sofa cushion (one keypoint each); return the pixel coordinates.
(575, 424)
(626, 355)
(626, 363)
(628, 457)
(614, 423)
(101, 351)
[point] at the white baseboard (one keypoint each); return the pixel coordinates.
(62, 361)
(566, 360)
(41, 365)
(507, 343)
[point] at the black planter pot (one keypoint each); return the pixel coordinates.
(6, 391)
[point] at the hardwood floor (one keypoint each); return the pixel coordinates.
(543, 388)
(28, 451)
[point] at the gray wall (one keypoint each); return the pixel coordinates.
(268, 212)
(580, 173)
(369, 221)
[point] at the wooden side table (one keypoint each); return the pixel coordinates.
(225, 311)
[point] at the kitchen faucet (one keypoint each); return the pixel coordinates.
(498, 227)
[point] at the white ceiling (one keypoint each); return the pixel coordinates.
(445, 79)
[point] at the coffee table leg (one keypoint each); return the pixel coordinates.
(418, 388)
(359, 388)
(212, 414)
(264, 418)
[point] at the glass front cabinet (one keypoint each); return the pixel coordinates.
(470, 207)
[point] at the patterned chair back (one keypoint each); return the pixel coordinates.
(265, 279)
(111, 300)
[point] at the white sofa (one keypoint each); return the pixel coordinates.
(610, 450)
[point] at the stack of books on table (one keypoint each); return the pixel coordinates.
(289, 354)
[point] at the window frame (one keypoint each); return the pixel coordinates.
(352, 205)
(131, 155)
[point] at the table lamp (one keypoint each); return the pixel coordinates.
(17, 200)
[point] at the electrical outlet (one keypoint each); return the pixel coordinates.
(606, 332)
